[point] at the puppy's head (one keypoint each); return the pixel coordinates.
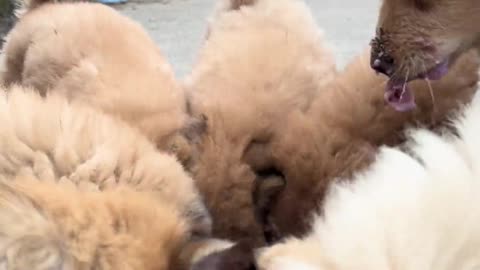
(419, 39)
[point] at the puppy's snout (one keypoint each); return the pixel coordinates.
(383, 63)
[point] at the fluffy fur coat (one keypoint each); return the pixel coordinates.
(56, 141)
(284, 124)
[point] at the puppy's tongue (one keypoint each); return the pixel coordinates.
(399, 96)
(440, 70)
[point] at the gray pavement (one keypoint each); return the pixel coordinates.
(179, 25)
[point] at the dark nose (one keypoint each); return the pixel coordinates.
(383, 64)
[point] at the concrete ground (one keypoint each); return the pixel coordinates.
(179, 25)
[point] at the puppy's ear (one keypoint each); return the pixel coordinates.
(237, 257)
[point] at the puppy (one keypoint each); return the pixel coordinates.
(48, 226)
(72, 144)
(261, 60)
(252, 137)
(421, 39)
(343, 129)
(410, 210)
(89, 52)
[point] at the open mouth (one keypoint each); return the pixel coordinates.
(399, 95)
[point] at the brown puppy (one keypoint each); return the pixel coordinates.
(260, 61)
(90, 52)
(277, 114)
(341, 132)
(419, 39)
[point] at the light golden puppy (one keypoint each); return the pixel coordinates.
(75, 145)
(90, 52)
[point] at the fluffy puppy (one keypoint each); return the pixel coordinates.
(410, 210)
(90, 52)
(343, 129)
(287, 124)
(419, 39)
(261, 60)
(67, 143)
(58, 227)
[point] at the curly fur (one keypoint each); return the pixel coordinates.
(48, 226)
(412, 209)
(74, 145)
(259, 62)
(90, 52)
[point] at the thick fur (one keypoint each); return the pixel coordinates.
(258, 63)
(269, 116)
(74, 145)
(48, 226)
(90, 52)
(417, 33)
(410, 210)
(342, 131)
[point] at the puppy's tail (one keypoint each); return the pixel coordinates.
(29, 240)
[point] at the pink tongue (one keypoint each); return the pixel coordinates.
(399, 96)
(438, 72)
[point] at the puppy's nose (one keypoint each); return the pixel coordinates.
(383, 64)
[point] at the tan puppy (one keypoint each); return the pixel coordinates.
(48, 226)
(421, 39)
(53, 140)
(259, 62)
(90, 52)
